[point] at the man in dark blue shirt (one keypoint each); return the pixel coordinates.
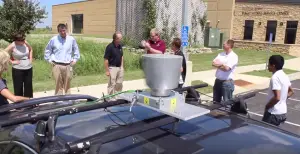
(113, 62)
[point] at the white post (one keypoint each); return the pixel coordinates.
(269, 49)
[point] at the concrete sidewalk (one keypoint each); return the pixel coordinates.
(205, 76)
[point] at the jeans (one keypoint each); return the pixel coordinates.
(223, 89)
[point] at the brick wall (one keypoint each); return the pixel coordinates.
(293, 50)
(262, 13)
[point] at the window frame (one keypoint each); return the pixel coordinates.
(267, 37)
(247, 27)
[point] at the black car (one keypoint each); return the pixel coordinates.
(84, 124)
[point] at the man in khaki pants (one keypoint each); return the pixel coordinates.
(62, 53)
(113, 62)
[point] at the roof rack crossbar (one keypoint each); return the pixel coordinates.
(43, 100)
(122, 132)
(62, 112)
(193, 87)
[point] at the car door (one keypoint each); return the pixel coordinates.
(15, 147)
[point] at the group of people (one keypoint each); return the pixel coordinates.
(62, 53)
(279, 88)
(113, 58)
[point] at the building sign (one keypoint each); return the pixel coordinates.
(258, 11)
(265, 13)
(185, 36)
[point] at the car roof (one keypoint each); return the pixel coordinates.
(216, 132)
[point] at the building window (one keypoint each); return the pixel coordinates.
(77, 22)
(291, 32)
(271, 28)
(248, 29)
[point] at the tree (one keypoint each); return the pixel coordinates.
(149, 21)
(19, 16)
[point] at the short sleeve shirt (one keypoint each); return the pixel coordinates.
(3, 100)
(279, 81)
(114, 55)
(158, 45)
(230, 60)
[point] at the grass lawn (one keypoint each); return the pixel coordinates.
(202, 62)
(265, 73)
(81, 81)
(206, 90)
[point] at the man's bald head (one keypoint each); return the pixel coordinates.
(117, 37)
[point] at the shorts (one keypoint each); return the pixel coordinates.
(275, 119)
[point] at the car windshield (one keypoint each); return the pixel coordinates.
(218, 129)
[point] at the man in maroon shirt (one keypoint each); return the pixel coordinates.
(155, 45)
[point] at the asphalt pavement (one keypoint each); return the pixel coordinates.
(256, 108)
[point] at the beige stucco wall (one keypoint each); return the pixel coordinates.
(223, 11)
(262, 13)
(99, 16)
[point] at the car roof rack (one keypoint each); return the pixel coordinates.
(132, 129)
(51, 118)
(65, 111)
(44, 100)
(137, 128)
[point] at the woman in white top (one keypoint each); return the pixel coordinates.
(21, 60)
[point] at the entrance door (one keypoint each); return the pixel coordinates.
(290, 32)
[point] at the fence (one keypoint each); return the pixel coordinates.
(134, 19)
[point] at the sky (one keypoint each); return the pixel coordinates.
(48, 4)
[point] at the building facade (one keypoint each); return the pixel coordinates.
(252, 22)
(103, 17)
(249, 22)
(92, 17)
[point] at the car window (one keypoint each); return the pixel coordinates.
(19, 150)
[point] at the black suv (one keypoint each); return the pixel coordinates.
(84, 124)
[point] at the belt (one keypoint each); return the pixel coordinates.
(224, 80)
(114, 66)
(64, 64)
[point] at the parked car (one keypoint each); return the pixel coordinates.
(95, 126)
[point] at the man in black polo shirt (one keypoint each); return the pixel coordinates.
(113, 62)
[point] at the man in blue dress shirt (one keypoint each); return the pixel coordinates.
(62, 53)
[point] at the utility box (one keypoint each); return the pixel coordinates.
(212, 38)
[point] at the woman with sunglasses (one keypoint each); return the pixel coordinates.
(21, 60)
